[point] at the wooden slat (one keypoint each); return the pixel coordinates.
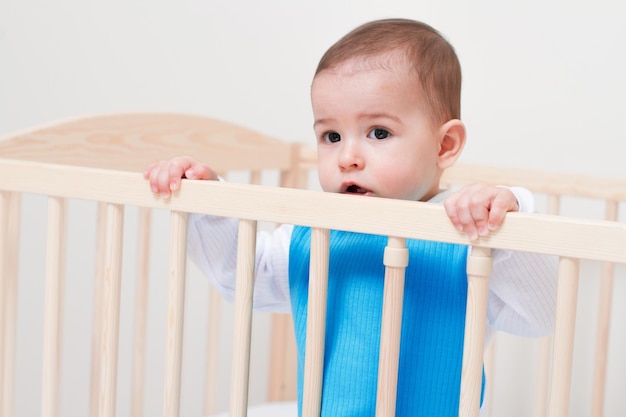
(524, 232)
(53, 303)
(396, 259)
(563, 347)
(544, 351)
(255, 177)
(109, 340)
(141, 312)
(297, 174)
(212, 357)
(6, 385)
(282, 373)
(175, 314)
(240, 370)
(545, 344)
(98, 294)
(9, 256)
(602, 326)
(479, 265)
(316, 323)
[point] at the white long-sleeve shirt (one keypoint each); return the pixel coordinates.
(522, 286)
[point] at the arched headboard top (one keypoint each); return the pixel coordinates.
(131, 141)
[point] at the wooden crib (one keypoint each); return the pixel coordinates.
(99, 160)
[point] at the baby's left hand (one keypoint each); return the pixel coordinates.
(478, 209)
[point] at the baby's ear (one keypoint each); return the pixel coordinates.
(451, 142)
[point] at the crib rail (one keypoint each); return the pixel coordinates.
(294, 206)
(571, 239)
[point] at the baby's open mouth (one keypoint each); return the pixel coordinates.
(355, 189)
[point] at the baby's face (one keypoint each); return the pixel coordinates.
(373, 137)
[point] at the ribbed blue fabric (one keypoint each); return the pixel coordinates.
(431, 348)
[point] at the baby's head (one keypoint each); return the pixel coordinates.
(429, 56)
(386, 101)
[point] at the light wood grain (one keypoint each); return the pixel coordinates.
(396, 259)
(132, 141)
(603, 324)
(563, 350)
(109, 340)
(316, 323)
(10, 204)
(175, 314)
(55, 271)
(98, 295)
(283, 359)
(212, 357)
(141, 312)
(244, 291)
(576, 238)
(479, 266)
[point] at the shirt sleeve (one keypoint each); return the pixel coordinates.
(525, 199)
(522, 293)
(522, 286)
(212, 247)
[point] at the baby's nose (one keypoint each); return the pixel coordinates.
(351, 157)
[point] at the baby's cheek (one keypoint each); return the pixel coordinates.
(401, 181)
(325, 181)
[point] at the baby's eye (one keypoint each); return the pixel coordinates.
(332, 137)
(379, 134)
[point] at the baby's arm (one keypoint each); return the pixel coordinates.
(165, 176)
(522, 293)
(212, 240)
(522, 286)
(478, 209)
(212, 247)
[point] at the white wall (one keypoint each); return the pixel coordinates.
(544, 81)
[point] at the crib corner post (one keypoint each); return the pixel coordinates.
(479, 266)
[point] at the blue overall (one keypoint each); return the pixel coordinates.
(431, 349)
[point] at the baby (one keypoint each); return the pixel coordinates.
(386, 103)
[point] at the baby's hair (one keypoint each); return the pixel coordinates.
(429, 54)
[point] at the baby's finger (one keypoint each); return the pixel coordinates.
(468, 222)
(465, 217)
(175, 173)
(200, 172)
(148, 170)
(153, 174)
(450, 205)
(479, 217)
(161, 181)
(501, 204)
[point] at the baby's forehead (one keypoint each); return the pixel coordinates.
(392, 61)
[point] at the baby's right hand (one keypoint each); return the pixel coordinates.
(165, 176)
